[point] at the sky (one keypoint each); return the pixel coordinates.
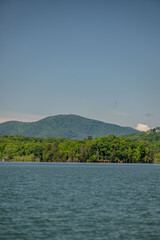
(96, 58)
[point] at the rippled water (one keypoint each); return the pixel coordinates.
(67, 201)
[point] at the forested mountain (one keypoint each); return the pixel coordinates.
(67, 126)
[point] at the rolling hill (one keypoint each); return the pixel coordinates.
(67, 126)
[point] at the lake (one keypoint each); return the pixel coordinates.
(79, 201)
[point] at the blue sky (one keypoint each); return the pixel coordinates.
(95, 58)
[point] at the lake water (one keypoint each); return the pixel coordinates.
(74, 201)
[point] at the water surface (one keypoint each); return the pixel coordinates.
(76, 201)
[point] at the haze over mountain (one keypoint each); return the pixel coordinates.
(68, 126)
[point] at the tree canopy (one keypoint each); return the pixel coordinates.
(103, 149)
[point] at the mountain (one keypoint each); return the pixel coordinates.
(67, 126)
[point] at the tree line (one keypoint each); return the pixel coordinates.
(103, 149)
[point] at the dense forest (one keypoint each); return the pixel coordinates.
(152, 138)
(137, 148)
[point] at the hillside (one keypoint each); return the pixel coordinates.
(152, 136)
(67, 126)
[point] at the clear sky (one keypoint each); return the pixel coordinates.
(95, 58)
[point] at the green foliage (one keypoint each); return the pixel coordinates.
(151, 138)
(66, 126)
(104, 149)
(157, 158)
(19, 146)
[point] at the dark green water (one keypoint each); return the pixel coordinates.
(79, 201)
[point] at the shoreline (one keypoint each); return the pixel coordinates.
(98, 162)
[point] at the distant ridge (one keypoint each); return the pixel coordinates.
(67, 126)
